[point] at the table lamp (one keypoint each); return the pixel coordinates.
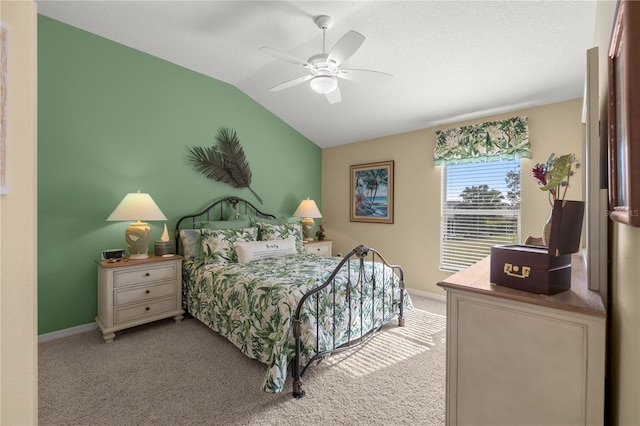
(137, 206)
(308, 210)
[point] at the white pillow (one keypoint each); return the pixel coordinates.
(256, 250)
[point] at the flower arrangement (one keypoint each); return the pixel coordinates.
(554, 175)
(320, 233)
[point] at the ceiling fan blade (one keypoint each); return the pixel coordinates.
(345, 47)
(284, 56)
(334, 97)
(365, 76)
(290, 83)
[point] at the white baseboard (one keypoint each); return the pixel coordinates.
(440, 297)
(67, 332)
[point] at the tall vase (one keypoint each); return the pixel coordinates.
(546, 230)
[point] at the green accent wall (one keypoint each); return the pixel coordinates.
(112, 120)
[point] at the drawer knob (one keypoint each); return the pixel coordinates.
(147, 308)
(147, 291)
(147, 274)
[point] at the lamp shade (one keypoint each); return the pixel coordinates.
(137, 206)
(308, 210)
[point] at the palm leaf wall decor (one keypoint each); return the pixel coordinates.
(225, 162)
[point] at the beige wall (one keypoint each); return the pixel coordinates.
(18, 222)
(413, 240)
(624, 290)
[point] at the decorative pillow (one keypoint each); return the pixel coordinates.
(224, 224)
(190, 241)
(217, 244)
(256, 250)
(268, 232)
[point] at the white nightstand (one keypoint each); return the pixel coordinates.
(136, 292)
(323, 248)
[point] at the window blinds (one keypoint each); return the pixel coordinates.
(480, 208)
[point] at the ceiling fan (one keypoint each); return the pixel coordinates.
(324, 68)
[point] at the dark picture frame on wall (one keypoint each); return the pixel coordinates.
(624, 115)
(371, 195)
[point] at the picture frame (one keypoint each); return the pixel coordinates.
(371, 195)
(624, 115)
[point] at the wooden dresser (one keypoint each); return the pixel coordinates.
(518, 358)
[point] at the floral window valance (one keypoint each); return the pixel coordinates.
(490, 141)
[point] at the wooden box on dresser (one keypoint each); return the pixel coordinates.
(321, 247)
(135, 292)
(516, 358)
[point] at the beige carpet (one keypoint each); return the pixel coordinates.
(184, 374)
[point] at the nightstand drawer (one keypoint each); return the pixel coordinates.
(138, 294)
(148, 274)
(147, 309)
(322, 248)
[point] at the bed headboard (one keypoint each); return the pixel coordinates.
(216, 211)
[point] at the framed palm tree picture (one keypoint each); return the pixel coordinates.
(372, 192)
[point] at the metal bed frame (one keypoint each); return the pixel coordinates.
(358, 255)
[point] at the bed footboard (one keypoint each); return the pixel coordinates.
(357, 307)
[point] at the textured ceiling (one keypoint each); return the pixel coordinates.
(450, 60)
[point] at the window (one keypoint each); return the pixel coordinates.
(480, 188)
(480, 208)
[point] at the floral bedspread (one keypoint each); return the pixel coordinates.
(253, 305)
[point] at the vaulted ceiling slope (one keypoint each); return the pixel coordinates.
(450, 60)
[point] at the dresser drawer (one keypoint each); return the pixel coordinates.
(138, 294)
(146, 274)
(147, 309)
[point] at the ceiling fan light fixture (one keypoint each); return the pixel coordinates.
(323, 84)
(324, 68)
